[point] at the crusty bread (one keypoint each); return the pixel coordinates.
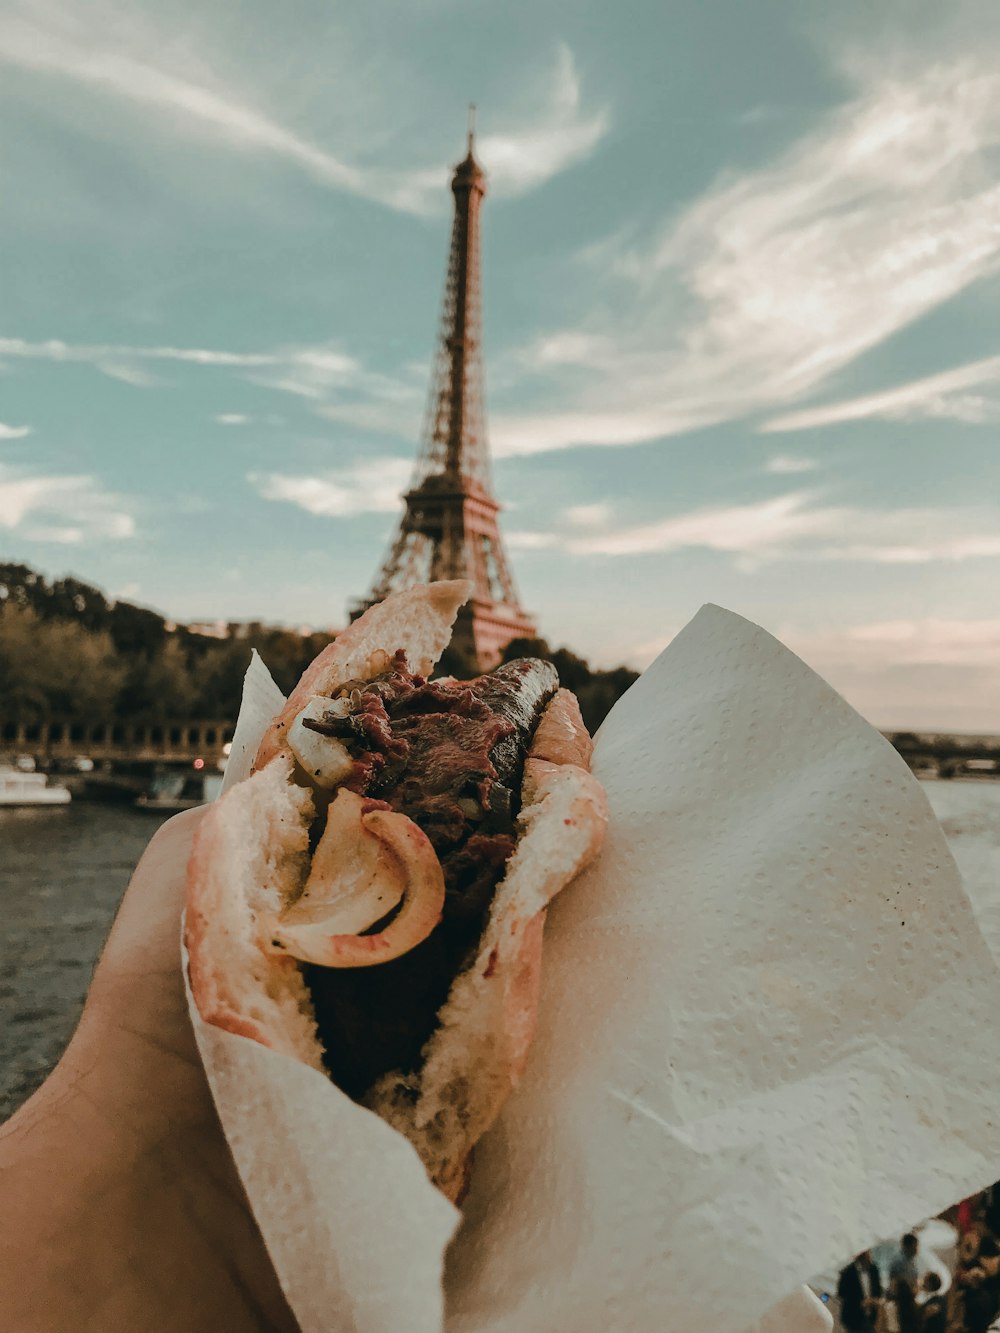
(250, 857)
(561, 736)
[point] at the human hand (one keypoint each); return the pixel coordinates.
(122, 1206)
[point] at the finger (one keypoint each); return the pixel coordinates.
(147, 926)
(138, 983)
(135, 1043)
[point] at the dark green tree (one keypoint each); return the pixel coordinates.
(56, 668)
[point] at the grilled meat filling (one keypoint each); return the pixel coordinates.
(450, 755)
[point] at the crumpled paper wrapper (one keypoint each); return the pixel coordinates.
(766, 1037)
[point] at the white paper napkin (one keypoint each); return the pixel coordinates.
(766, 1037)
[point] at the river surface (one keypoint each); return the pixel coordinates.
(63, 872)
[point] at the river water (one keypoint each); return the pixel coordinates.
(63, 872)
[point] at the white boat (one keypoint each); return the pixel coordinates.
(26, 788)
(171, 792)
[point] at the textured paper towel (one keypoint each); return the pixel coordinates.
(802, 1312)
(765, 1037)
(262, 700)
(355, 1230)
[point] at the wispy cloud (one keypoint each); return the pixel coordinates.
(768, 526)
(100, 354)
(310, 372)
(934, 396)
(343, 390)
(380, 405)
(933, 640)
(137, 376)
(786, 464)
(370, 486)
(547, 132)
(929, 641)
(337, 385)
(798, 523)
(933, 673)
(46, 41)
(519, 540)
(559, 133)
(589, 515)
(68, 509)
(778, 278)
(13, 432)
(891, 670)
(54, 349)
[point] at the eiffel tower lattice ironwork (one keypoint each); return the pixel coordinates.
(449, 525)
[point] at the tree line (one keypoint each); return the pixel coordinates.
(69, 652)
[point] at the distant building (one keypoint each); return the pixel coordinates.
(247, 629)
(211, 629)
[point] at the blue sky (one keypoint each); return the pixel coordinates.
(741, 278)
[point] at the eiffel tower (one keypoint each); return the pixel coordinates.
(449, 525)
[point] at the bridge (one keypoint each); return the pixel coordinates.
(948, 755)
(56, 742)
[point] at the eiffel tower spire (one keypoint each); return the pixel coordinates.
(449, 524)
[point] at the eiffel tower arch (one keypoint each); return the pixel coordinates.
(449, 527)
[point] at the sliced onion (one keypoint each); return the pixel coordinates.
(364, 866)
(354, 881)
(325, 759)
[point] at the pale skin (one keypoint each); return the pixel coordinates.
(122, 1207)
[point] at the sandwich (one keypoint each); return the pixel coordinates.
(371, 900)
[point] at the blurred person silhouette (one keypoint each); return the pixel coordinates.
(934, 1310)
(859, 1290)
(965, 1213)
(976, 1277)
(122, 1206)
(991, 1208)
(904, 1280)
